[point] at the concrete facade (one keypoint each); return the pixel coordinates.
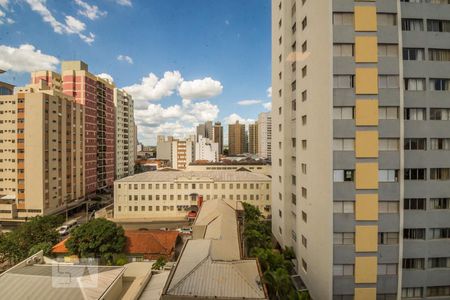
(253, 138)
(183, 153)
(236, 138)
(42, 151)
(218, 135)
(265, 135)
(206, 150)
(360, 131)
(125, 138)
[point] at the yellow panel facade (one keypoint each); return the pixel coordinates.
(366, 81)
(366, 207)
(366, 176)
(366, 112)
(366, 238)
(365, 293)
(365, 18)
(366, 269)
(366, 49)
(366, 144)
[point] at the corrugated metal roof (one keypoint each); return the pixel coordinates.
(170, 176)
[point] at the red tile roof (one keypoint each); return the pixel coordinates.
(139, 242)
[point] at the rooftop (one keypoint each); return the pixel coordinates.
(171, 176)
(210, 264)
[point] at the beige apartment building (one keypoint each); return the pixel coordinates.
(183, 153)
(361, 160)
(172, 194)
(41, 151)
(236, 139)
(125, 134)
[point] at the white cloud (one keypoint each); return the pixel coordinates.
(106, 76)
(125, 58)
(200, 88)
(26, 58)
(231, 119)
(178, 120)
(152, 88)
(267, 105)
(71, 25)
(91, 12)
(269, 92)
(4, 3)
(124, 2)
(249, 102)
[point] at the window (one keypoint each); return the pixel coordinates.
(438, 291)
(304, 71)
(304, 46)
(439, 84)
(304, 192)
(293, 199)
(440, 203)
(440, 173)
(304, 95)
(414, 84)
(412, 24)
(414, 234)
(415, 114)
(388, 207)
(413, 263)
(343, 50)
(413, 54)
(343, 175)
(343, 144)
(294, 85)
(343, 81)
(387, 175)
(387, 269)
(415, 144)
(388, 238)
(304, 265)
(346, 207)
(385, 19)
(416, 174)
(343, 270)
(438, 25)
(388, 81)
(439, 262)
(343, 238)
(440, 233)
(304, 144)
(304, 217)
(387, 50)
(415, 203)
(304, 241)
(440, 114)
(304, 23)
(414, 292)
(343, 113)
(388, 144)
(342, 18)
(388, 112)
(439, 54)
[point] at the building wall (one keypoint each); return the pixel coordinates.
(236, 138)
(265, 135)
(262, 169)
(253, 138)
(205, 149)
(164, 148)
(160, 200)
(125, 134)
(183, 153)
(218, 135)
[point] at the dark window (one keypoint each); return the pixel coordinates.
(415, 203)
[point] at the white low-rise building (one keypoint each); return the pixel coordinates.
(172, 194)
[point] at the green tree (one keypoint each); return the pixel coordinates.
(21, 242)
(251, 213)
(159, 263)
(278, 282)
(99, 238)
(44, 246)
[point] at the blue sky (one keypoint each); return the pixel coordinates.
(212, 54)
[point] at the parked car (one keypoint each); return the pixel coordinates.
(185, 230)
(67, 227)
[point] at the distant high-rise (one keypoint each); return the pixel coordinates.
(265, 135)
(125, 134)
(361, 171)
(164, 147)
(218, 135)
(205, 130)
(206, 150)
(253, 138)
(236, 139)
(42, 154)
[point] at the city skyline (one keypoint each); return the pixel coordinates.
(184, 78)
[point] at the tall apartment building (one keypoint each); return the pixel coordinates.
(236, 138)
(218, 135)
(41, 152)
(206, 150)
(265, 135)
(125, 137)
(361, 158)
(253, 138)
(205, 130)
(96, 94)
(183, 153)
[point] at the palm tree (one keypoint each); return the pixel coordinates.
(279, 282)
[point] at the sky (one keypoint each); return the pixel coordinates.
(183, 61)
